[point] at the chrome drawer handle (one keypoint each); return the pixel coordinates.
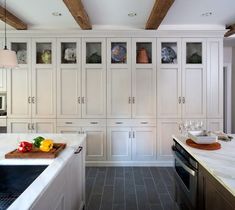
(144, 122)
(68, 122)
(79, 149)
(93, 122)
(119, 122)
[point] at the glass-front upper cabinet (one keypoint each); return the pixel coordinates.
(169, 52)
(22, 47)
(68, 51)
(93, 53)
(118, 51)
(194, 51)
(44, 53)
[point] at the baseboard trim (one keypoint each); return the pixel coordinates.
(130, 163)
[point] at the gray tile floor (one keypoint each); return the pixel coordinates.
(129, 188)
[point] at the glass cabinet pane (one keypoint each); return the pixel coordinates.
(143, 52)
(194, 53)
(169, 52)
(68, 52)
(21, 51)
(118, 52)
(43, 51)
(93, 53)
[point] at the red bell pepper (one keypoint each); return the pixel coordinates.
(25, 146)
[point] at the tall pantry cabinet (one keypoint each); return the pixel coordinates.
(32, 87)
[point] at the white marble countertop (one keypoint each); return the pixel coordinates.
(219, 163)
(9, 142)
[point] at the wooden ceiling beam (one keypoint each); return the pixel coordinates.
(79, 13)
(231, 30)
(158, 13)
(12, 20)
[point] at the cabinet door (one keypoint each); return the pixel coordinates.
(144, 78)
(43, 125)
(3, 80)
(214, 78)
(144, 143)
(215, 124)
(169, 78)
(68, 78)
(94, 78)
(119, 95)
(119, 143)
(44, 79)
(194, 79)
(19, 126)
(165, 130)
(95, 143)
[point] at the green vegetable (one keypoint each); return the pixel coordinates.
(37, 141)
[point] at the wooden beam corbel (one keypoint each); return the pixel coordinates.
(158, 13)
(12, 20)
(231, 30)
(79, 13)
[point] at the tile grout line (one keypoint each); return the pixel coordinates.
(137, 204)
(92, 188)
(103, 188)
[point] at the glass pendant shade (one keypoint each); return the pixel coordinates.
(8, 59)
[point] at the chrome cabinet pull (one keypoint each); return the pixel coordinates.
(83, 100)
(144, 122)
(32, 126)
(33, 100)
(129, 134)
(79, 100)
(133, 100)
(119, 123)
(129, 100)
(179, 100)
(133, 134)
(183, 100)
(29, 126)
(68, 123)
(29, 99)
(79, 149)
(93, 122)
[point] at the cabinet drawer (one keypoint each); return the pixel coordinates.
(81, 122)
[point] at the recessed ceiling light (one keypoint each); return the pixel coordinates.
(206, 14)
(56, 14)
(132, 14)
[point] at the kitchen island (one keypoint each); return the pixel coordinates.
(216, 175)
(62, 184)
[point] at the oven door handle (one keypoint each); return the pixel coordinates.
(189, 170)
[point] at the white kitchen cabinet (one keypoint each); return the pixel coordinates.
(215, 78)
(19, 81)
(94, 78)
(143, 143)
(143, 78)
(96, 136)
(165, 129)
(215, 124)
(69, 78)
(194, 78)
(31, 126)
(3, 80)
(182, 93)
(44, 78)
(119, 143)
(81, 85)
(169, 77)
(67, 189)
(119, 96)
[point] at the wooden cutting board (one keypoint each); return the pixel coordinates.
(214, 146)
(37, 153)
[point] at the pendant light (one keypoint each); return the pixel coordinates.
(7, 57)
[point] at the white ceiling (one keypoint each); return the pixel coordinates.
(112, 14)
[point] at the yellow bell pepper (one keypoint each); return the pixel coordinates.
(46, 145)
